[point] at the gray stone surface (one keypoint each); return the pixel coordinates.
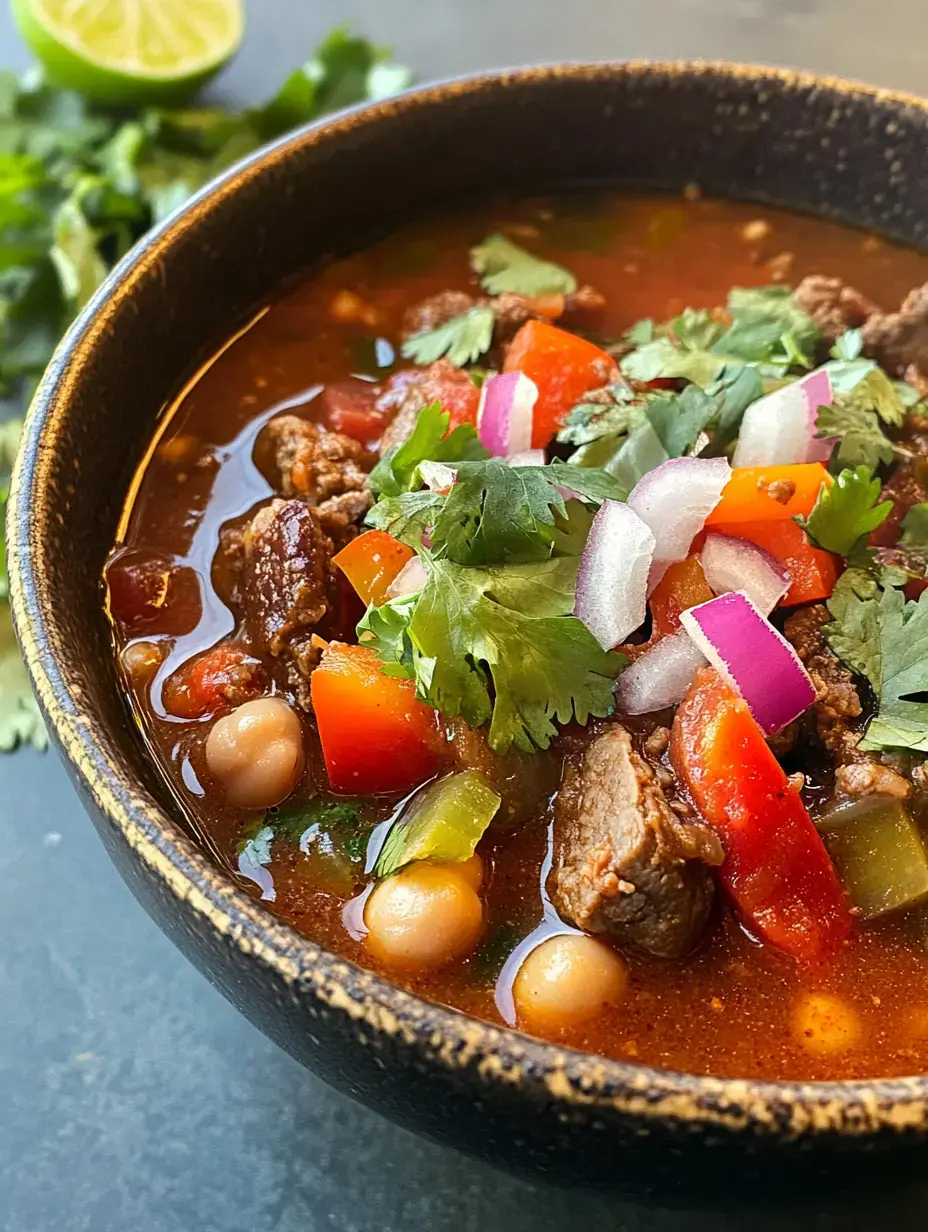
(132, 1097)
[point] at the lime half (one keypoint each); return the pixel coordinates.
(131, 52)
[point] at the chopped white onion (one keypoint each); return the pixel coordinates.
(410, 579)
(612, 581)
(436, 476)
(738, 564)
(779, 428)
(661, 677)
(674, 500)
(505, 414)
(753, 656)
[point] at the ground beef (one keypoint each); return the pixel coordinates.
(625, 864)
(898, 341)
(511, 310)
(905, 489)
(310, 462)
(340, 516)
(833, 305)
(288, 584)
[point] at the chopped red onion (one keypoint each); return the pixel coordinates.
(661, 677)
(737, 564)
(504, 417)
(436, 476)
(527, 457)
(410, 579)
(779, 428)
(612, 582)
(753, 656)
(674, 500)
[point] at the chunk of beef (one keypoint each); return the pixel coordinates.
(311, 462)
(833, 305)
(905, 489)
(287, 586)
(410, 391)
(834, 718)
(340, 516)
(511, 310)
(625, 864)
(898, 341)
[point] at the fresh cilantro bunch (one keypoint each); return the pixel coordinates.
(492, 636)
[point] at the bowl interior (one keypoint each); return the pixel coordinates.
(775, 137)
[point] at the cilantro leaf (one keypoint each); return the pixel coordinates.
(604, 412)
(406, 516)
(886, 639)
(845, 512)
(861, 440)
(397, 470)
(496, 514)
(462, 340)
(678, 419)
(504, 266)
(519, 666)
(914, 535)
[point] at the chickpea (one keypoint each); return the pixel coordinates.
(257, 752)
(567, 980)
(140, 661)
(824, 1024)
(472, 871)
(425, 916)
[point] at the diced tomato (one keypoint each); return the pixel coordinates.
(769, 493)
(813, 570)
(371, 562)
(776, 869)
(147, 593)
(376, 735)
(223, 677)
(563, 366)
(682, 586)
(351, 407)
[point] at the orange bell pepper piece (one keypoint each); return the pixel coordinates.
(376, 735)
(776, 868)
(371, 562)
(769, 493)
(563, 366)
(682, 586)
(813, 570)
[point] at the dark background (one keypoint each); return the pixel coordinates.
(133, 1098)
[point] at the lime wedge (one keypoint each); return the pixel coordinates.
(131, 52)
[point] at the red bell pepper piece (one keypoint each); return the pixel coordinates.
(776, 869)
(376, 735)
(371, 562)
(351, 407)
(563, 366)
(683, 586)
(813, 570)
(769, 493)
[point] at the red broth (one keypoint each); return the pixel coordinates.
(727, 1009)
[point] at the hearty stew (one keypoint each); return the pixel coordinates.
(531, 607)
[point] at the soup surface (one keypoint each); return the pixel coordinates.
(694, 971)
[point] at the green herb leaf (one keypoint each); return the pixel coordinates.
(885, 639)
(462, 340)
(846, 512)
(861, 440)
(517, 667)
(914, 535)
(397, 470)
(444, 822)
(678, 419)
(504, 266)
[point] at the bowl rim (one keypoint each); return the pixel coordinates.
(855, 1108)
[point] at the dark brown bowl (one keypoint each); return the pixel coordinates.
(818, 145)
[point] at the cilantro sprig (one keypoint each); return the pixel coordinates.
(504, 266)
(846, 512)
(462, 340)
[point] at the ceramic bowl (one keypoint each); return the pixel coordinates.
(823, 146)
